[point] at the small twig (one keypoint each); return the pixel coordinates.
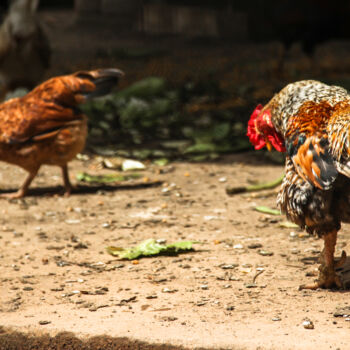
(256, 275)
(259, 187)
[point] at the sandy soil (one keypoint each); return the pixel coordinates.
(56, 275)
(237, 290)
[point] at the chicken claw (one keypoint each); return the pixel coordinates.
(327, 277)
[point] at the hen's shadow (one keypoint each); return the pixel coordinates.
(82, 189)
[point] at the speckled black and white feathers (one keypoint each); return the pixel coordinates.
(314, 120)
(304, 204)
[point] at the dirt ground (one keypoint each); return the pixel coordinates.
(239, 288)
(56, 275)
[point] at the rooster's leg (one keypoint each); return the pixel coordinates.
(67, 185)
(327, 277)
(23, 189)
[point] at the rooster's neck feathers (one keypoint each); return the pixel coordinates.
(289, 100)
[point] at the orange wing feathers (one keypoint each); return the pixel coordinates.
(308, 146)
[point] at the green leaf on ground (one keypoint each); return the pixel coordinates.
(288, 224)
(150, 247)
(107, 178)
(161, 161)
(267, 210)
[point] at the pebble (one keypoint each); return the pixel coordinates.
(342, 311)
(238, 246)
(152, 296)
(28, 289)
(168, 290)
(255, 245)
(204, 287)
(265, 253)
(276, 319)
(42, 323)
(72, 221)
(95, 308)
(307, 324)
(228, 266)
(169, 318)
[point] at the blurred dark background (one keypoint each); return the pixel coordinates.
(210, 63)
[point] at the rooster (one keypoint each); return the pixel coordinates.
(24, 47)
(46, 126)
(309, 121)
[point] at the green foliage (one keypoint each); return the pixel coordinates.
(150, 111)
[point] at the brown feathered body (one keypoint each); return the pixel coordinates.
(46, 126)
(313, 120)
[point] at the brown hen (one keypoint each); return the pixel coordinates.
(46, 126)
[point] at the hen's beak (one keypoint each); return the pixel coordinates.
(268, 145)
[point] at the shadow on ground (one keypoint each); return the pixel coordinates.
(87, 189)
(12, 340)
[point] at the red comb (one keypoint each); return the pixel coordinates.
(254, 137)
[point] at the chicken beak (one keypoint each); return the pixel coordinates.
(268, 145)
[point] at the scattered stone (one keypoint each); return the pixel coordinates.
(80, 245)
(72, 221)
(152, 296)
(169, 318)
(308, 324)
(276, 319)
(228, 266)
(55, 247)
(255, 245)
(27, 289)
(168, 290)
(62, 263)
(42, 323)
(342, 311)
(238, 246)
(265, 252)
(96, 307)
(128, 300)
(160, 279)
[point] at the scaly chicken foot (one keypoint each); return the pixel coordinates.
(23, 189)
(328, 277)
